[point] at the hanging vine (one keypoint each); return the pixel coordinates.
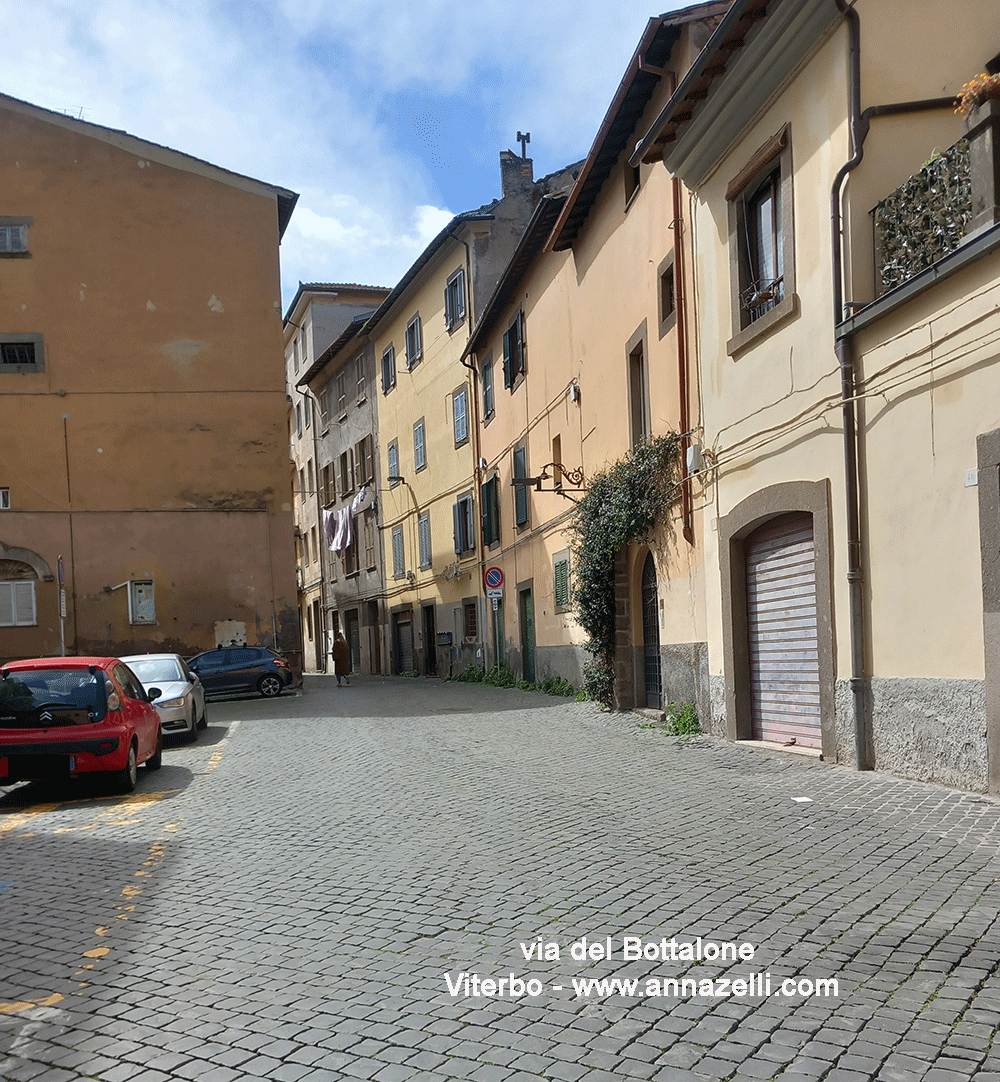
(623, 505)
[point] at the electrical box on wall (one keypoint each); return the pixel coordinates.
(141, 602)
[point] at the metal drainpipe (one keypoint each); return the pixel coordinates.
(323, 549)
(682, 380)
(844, 349)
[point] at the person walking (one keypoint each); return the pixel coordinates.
(341, 658)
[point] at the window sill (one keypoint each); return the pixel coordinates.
(787, 309)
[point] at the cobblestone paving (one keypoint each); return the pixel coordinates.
(284, 900)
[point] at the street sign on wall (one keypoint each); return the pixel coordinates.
(493, 579)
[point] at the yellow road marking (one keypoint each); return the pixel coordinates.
(27, 1004)
(96, 952)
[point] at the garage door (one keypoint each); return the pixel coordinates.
(404, 644)
(781, 627)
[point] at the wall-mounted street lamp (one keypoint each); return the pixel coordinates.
(574, 476)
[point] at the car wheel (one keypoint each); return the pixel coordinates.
(203, 724)
(269, 685)
(192, 734)
(155, 761)
(125, 779)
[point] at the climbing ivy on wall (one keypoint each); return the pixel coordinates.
(623, 505)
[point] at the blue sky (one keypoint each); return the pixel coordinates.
(386, 117)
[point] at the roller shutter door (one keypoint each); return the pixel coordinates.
(404, 643)
(781, 627)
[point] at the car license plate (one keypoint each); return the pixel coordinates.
(72, 763)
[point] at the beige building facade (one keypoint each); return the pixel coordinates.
(429, 508)
(143, 436)
(847, 330)
(581, 356)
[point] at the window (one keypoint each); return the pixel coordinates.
(489, 406)
(513, 351)
(414, 342)
(419, 445)
(632, 179)
(454, 300)
(17, 604)
(762, 264)
(310, 479)
(342, 394)
(324, 407)
(21, 353)
(465, 538)
(470, 620)
(557, 473)
(4, 499)
(398, 563)
(665, 294)
(491, 511)
(392, 454)
(298, 420)
(307, 401)
(327, 486)
(302, 484)
(362, 382)
(638, 387)
(520, 491)
(560, 581)
(460, 415)
(351, 557)
(315, 543)
(424, 538)
(14, 236)
(388, 369)
(364, 467)
(368, 518)
(346, 464)
(141, 602)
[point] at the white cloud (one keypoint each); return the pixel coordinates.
(287, 91)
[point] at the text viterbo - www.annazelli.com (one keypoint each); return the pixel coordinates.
(633, 948)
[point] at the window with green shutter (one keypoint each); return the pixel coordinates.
(560, 577)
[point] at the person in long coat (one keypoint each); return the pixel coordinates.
(341, 658)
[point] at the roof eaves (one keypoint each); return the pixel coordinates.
(532, 241)
(286, 199)
(483, 214)
(352, 330)
(727, 40)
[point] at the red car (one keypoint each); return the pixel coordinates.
(65, 716)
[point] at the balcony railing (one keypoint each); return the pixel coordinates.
(924, 219)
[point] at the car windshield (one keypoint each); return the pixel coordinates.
(23, 691)
(149, 670)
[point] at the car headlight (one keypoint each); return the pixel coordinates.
(169, 704)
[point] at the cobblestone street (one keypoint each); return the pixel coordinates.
(296, 896)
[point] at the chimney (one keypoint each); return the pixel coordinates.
(516, 173)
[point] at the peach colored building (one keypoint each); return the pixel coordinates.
(143, 422)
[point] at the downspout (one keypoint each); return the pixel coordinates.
(844, 349)
(682, 374)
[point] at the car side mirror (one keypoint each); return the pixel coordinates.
(153, 693)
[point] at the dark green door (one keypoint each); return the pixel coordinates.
(527, 635)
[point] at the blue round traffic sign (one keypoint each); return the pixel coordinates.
(493, 578)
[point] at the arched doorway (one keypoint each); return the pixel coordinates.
(651, 635)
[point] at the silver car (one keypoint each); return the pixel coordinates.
(181, 704)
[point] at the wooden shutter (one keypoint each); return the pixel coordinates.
(424, 533)
(520, 491)
(561, 582)
(508, 377)
(782, 632)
